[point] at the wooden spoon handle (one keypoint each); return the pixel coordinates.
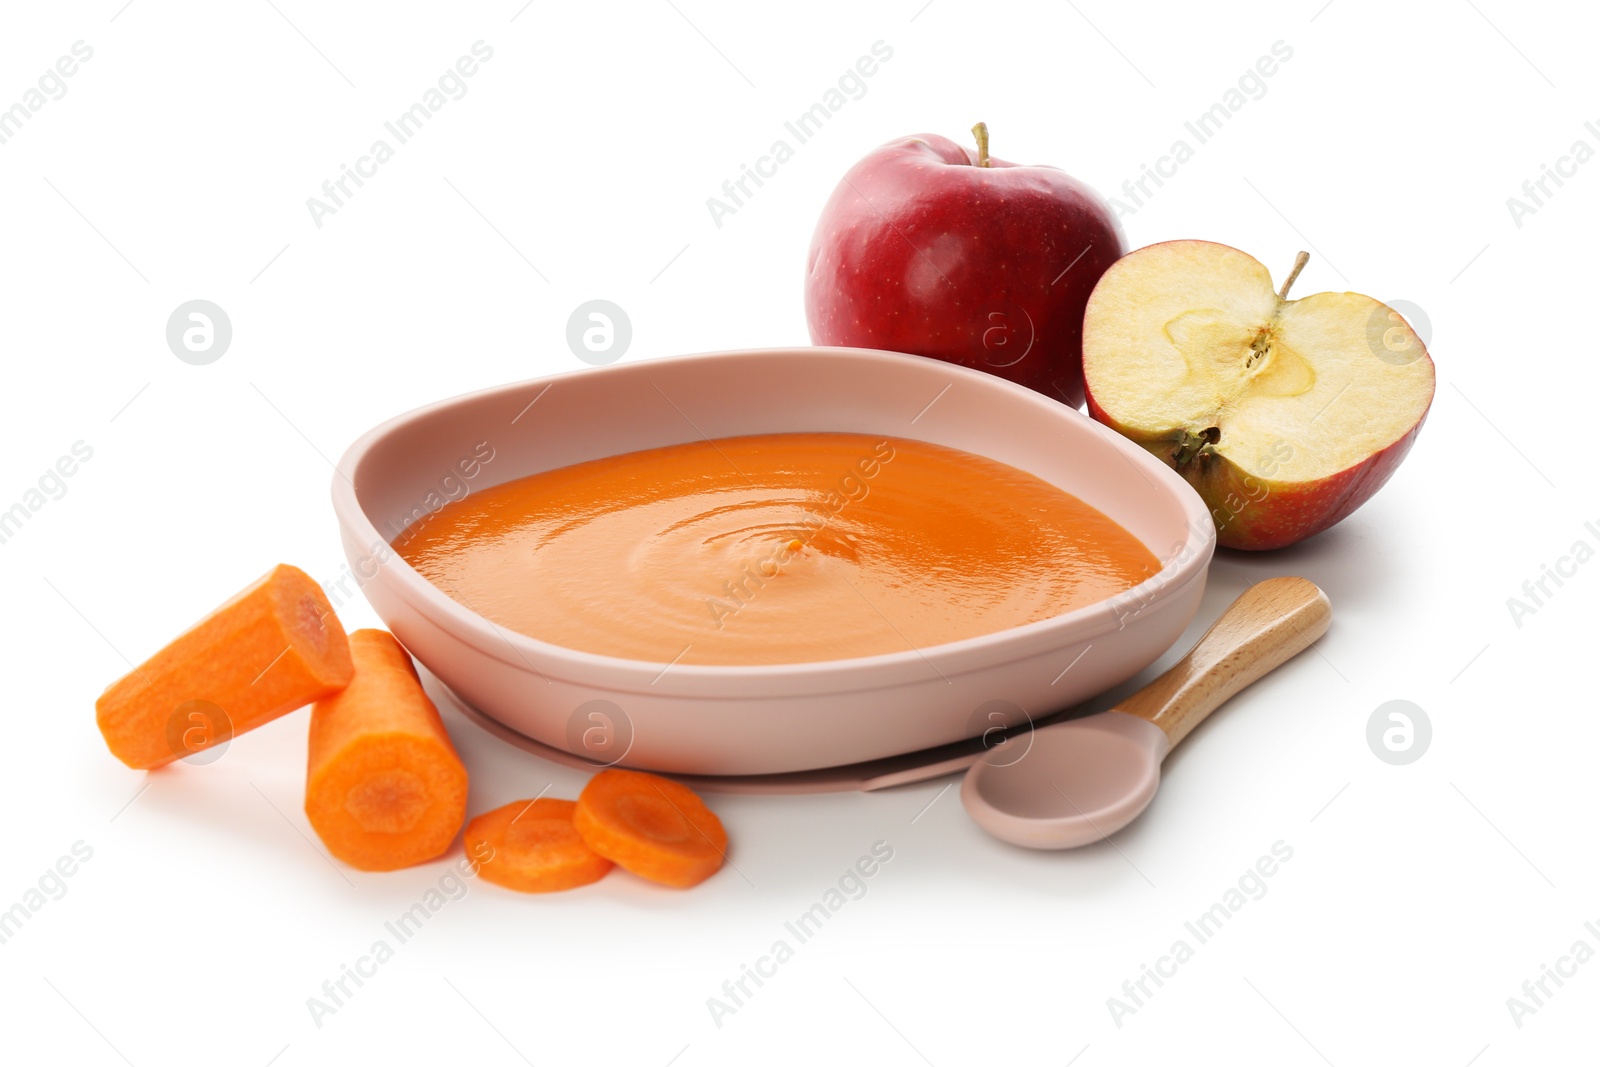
(1269, 623)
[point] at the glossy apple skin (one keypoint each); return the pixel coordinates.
(920, 250)
(1256, 513)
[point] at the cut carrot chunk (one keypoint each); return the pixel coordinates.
(274, 647)
(384, 786)
(532, 846)
(652, 826)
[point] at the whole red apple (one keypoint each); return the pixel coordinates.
(929, 248)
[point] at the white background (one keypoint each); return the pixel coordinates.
(177, 166)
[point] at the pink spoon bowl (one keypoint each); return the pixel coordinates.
(745, 720)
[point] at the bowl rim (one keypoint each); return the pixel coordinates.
(1188, 562)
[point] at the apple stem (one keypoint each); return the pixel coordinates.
(1300, 262)
(981, 132)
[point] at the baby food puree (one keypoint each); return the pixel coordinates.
(773, 548)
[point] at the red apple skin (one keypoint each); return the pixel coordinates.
(920, 250)
(1257, 513)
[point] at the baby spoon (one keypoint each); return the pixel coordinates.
(1085, 779)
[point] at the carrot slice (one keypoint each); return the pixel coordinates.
(532, 846)
(652, 826)
(274, 647)
(384, 786)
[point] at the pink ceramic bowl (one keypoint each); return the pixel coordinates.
(788, 717)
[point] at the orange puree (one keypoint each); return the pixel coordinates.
(773, 548)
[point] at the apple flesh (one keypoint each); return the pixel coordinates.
(929, 248)
(1285, 415)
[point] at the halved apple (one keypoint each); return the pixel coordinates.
(1285, 415)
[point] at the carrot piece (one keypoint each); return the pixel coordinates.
(652, 826)
(274, 647)
(384, 786)
(531, 846)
